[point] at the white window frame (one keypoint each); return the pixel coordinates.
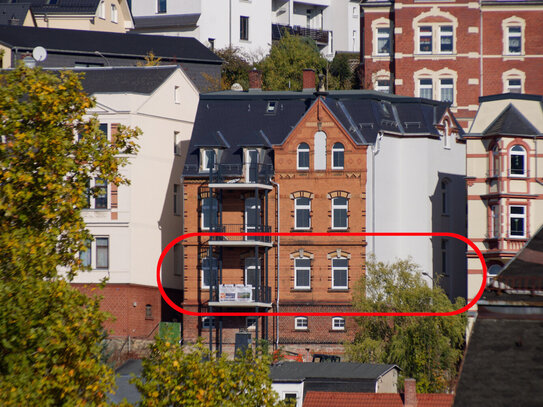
(338, 324)
(338, 268)
(444, 34)
(447, 86)
(490, 273)
(177, 94)
(514, 88)
(176, 143)
(524, 160)
(340, 206)
(494, 221)
(102, 10)
(517, 216)
(204, 159)
(108, 249)
(298, 269)
(447, 136)
(114, 14)
(422, 86)
(495, 161)
(86, 254)
(203, 269)
(301, 324)
(302, 149)
(380, 87)
(337, 149)
(511, 36)
(92, 200)
(247, 31)
(425, 34)
(382, 36)
(508, 35)
(301, 207)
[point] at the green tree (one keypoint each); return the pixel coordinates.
(425, 348)
(341, 71)
(176, 376)
(235, 68)
(50, 333)
(282, 68)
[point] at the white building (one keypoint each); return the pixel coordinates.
(253, 25)
(132, 224)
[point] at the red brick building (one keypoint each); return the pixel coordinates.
(284, 162)
(452, 50)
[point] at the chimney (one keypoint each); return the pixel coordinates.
(255, 80)
(410, 393)
(309, 80)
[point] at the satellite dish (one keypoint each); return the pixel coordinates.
(237, 87)
(39, 54)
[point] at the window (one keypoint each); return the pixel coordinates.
(302, 273)
(426, 89)
(114, 14)
(270, 108)
(252, 271)
(425, 39)
(338, 324)
(302, 213)
(495, 221)
(177, 260)
(340, 273)
(208, 160)
(86, 255)
(102, 252)
(514, 86)
(303, 157)
(251, 322)
(514, 40)
(518, 161)
(382, 85)
(177, 94)
(103, 128)
(102, 10)
(445, 197)
(338, 152)
(208, 322)
(177, 199)
(291, 398)
(495, 170)
(251, 165)
(383, 41)
(148, 311)
(161, 6)
(300, 323)
(446, 39)
(209, 217)
(244, 28)
(492, 272)
(446, 135)
(97, 194)
(209, 271)
(517, 221)
(339, 213)
(444, 257)
(320, 151)
(446, 90)
(176, 143)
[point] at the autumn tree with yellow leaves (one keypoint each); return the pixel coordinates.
(49, 151)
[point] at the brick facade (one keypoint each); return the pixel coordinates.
(495, 69)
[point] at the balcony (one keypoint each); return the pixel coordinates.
(321, 37)
(239, 241)
(236, 176)
(239, 296)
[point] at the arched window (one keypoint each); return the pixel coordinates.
(338, 324)
(340, 208)
(300, 323)
(302, 213)
(302, 162)
(338, 152)
(320, 151)
(492, 272)
(517, 156)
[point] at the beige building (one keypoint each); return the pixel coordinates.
(88, 15)
(504, 180)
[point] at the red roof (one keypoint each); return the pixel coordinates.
(331, 399)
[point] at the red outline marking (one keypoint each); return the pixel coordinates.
(271, 314)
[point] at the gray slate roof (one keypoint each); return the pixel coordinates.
(241, 118)
(180, 49)
(294, 371)
(167, 20)
(13, 14)
(144, 80)
(511, 122)
(60, 6)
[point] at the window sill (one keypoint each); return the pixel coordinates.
(337, 330)
(301, 330)
(330, 230)
(307, 290)
(245, 41)
(338, 290)
(294, 230)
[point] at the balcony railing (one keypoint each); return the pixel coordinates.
(241, 229)
(240, 294)
(319, 36)
(250, 173)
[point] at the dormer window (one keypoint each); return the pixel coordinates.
(270, 109)
(208, 159)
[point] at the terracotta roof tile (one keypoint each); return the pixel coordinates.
(332, 399)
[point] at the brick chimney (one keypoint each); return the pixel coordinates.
(410, 393)
(255, 80)
(309, 80)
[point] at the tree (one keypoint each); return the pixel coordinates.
(50, 333)
(425, 348)
(176, 376)
(282, 68)
(235, 68)
(341, 71)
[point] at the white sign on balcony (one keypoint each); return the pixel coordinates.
(236, 293)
